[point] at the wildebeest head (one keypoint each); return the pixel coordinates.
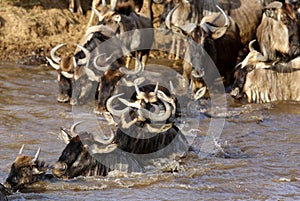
(146, 123)
(87, 154)
(64, 67)
(76, 159)
(253, 60)
(103, 73)
(99, 51)
(149, 105)
(278, 33)
(25, 170)
(215, 33)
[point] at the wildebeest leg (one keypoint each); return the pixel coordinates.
(103, 2)
(128, 60)
(79, 8)
(65, 89)
(71, 5)
(187, 69)
(144, 59)
(172, 49)
(95, 3)
(178, 48)
(149, 13)
(106, 87)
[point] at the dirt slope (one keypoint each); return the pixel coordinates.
(31, 27)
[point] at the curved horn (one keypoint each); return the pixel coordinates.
(55, 58)
(135, 104)
(87, 55)
(251, 48)
(101, 68)
(21, 150)
(94, 29)
(36, 157)
(138, 81)
(157, 117)
(162, 96)
(138, 92)
(137, 71)
(54, 65)
(73, 127)
(113, 111)
(67, 75)
(227, 21)
(239, 65)
(99, 150)
(105, 142)
(160, 129)
(156, 88)
(169, 16)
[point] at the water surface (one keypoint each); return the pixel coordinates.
(256, 157)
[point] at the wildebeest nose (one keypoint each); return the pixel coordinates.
(59, 169)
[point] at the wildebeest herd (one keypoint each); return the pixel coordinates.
(253, 44)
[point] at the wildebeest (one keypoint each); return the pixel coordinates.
(145, 130)
(76, 5)
(183, 13)
(101, 45)
(88, 155)
(26, 170)
(146, 124)
(216, 39)
(134, 30)
(266, 81)
(246, 14)
(278, 32)
(4, 192)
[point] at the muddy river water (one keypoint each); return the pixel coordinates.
(257, 156)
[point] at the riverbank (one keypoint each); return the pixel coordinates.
(30, 29)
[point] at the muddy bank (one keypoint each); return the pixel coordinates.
(32, 28)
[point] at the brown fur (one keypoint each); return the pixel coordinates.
(67, 64)
(22, 160)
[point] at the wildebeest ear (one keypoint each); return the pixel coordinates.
(65, 135)
(117, 18)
